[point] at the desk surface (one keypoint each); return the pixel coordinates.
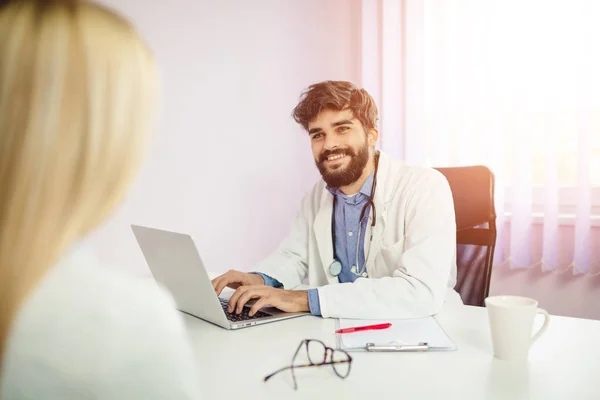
(563, 364)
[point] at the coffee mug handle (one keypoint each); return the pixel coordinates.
(544, 326)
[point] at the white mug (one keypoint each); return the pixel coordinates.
(511, 322)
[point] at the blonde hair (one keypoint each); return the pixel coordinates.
(77, 85)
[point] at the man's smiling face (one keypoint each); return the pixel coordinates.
(340, 146)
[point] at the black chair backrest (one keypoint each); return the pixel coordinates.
(473, 193)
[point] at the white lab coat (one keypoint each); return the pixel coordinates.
(411, 261)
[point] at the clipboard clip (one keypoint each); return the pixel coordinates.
(423, 346)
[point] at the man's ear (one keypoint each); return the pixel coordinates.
(372, 137)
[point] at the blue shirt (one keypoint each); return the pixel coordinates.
(346, 215)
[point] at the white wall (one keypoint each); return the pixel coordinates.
(229, 165)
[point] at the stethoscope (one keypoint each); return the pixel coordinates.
(336, 267)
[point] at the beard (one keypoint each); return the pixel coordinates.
(343, 176)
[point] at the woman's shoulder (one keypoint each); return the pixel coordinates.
(89, 320)
(80, 287)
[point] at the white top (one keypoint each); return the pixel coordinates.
(90, 332)
(411, 259)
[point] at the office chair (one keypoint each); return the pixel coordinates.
(473, 193)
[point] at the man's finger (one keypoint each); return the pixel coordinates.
(244, 298)
(260, 303)
(215, 281)
(221, 285)
(234, 297)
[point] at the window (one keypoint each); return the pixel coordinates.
(514, 85)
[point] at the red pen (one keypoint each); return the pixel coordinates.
(364, 328)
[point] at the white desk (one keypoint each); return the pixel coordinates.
(563, 364)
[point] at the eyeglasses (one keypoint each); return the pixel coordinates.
(318, 354)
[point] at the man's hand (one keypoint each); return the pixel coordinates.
(285, 300)
(235, 279)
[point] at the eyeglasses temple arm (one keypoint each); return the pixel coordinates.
(301, 366)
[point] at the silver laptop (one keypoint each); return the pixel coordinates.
(176, 264)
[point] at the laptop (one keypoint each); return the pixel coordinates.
(175, 263)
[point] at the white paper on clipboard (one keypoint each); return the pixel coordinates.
(402, 332)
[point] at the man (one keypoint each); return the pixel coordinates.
(376, 238)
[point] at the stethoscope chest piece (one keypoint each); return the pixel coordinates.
(335, 268)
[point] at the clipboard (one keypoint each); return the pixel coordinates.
(405, 335)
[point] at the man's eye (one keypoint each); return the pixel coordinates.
(317, 136)
(343, 128)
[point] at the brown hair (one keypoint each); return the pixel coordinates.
(336, 95)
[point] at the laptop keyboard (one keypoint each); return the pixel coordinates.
(243, 316)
